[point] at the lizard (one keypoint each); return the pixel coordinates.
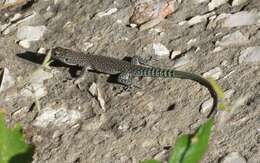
(126, 70)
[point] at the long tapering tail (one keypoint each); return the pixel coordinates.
(169, 73)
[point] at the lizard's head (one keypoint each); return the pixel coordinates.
(64, 55)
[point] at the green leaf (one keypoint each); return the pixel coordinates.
(191, 149)
(176, 154)
(199, 143)
(150, 161)
(47, 60)
(13, 148)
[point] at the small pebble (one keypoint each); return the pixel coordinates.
(42, 51)
(206, 106)
(175, 54)
(217, 49)
(25, 44)
(214, 73)
(133, 25)
(106, 13)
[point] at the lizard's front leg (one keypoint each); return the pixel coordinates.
(82, 75)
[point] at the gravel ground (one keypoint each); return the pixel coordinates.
(95, 120)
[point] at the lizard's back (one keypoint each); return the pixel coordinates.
(108, 65)
(97, 62)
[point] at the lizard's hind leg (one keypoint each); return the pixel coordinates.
(125, 78)
(136, 60)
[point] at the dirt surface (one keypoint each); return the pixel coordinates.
(70, 124)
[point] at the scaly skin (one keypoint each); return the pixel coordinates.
(126, 70)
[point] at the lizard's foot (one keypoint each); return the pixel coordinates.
(79, 80)
(81, 77)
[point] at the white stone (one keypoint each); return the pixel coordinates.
(200, 1)
(206, 105)
(87, 45)
(36, 87)
(238, 2)
(200, 18)
(229, 93)
(95, 123)
(7, 2)
(175, 54)
(160, 49)
(233, 39)
(214, 73)
(251, 54)
(6, 80)
(216, 3)
(182, 22)
(192, 41)
(218, 20)
(93, 89)
(133, 25)
(25, 44)
(106, 13)
(101, 100)
(241, 19)
(182, 61)
(56, 117)
(233, 157)
(41, 50)
(217, 49)
(16, 17)
(30, 33)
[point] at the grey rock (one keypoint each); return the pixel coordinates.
(56, 117)
(233, 157)
(241, 19)
(31, 33)
(238, 2)
(250, 55)
(233, 39)
(6, 80)
(160, 50)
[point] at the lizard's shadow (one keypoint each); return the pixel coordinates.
(39, 58)
(73, 70)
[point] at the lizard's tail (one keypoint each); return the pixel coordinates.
(169, 73)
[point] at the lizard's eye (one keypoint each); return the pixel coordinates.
(66, 59)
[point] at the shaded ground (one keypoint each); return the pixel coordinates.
(142, 123)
